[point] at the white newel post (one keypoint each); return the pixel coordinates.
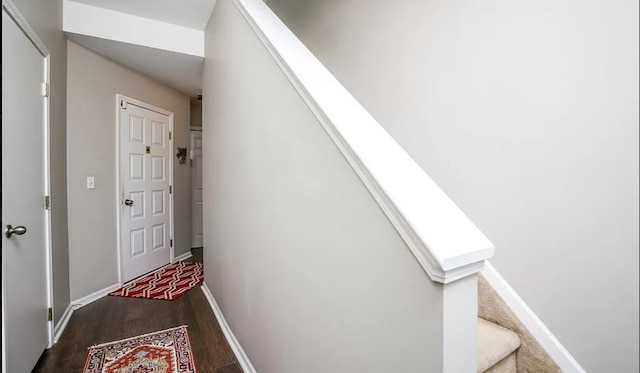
(459, 329)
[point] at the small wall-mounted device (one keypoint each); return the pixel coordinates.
(91, 182)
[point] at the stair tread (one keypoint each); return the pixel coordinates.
(494, 344)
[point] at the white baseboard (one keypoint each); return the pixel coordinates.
(62, 324)
(81, 302)
(540, 332)
(241, 356)
(184, 256)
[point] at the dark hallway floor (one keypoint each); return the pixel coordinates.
(113, 318)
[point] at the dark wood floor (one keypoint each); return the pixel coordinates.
(114, 318)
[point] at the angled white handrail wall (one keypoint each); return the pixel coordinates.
(443, 239)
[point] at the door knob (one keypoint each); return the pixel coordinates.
(19, 230)
(128, 202)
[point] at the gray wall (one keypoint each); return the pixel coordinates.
(526, 114)
(306, 268)
(196, 114)
(93, 82)
(45, 17)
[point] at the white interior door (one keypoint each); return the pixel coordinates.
(24, 184)
(145, 161)
(196, 188)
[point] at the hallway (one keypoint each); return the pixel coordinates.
(114, 318)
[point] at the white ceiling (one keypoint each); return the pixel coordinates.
(188, 13)
(181, 71)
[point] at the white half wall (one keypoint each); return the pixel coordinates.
(526, 114)
(309, 272)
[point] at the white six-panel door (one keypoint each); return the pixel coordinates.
(196, 188)
(145, 160)
(25, 328)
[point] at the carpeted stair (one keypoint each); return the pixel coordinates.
(496, 348)
(531, 356)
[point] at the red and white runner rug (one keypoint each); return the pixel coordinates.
(166, 351)
(166, 283)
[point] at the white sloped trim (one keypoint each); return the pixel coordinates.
(237, 349)
(536, 327)
(13, 11)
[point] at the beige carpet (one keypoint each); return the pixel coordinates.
(495, 344)
(530, 357)
(507, 365)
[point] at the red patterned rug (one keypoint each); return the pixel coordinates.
(166, 283)
(166, 351)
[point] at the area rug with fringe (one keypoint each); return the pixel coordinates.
(166, 351)
(167, 283)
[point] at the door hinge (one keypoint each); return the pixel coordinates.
(170, 189)
(123, 104)
(169, 135)
(50, 314)
(171, 242)
(47, 202)
(44, 89)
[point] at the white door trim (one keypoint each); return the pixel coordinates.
(119, 182)
(12, 10)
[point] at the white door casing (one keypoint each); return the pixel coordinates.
(26, 258)
(145, 174)
(196, 188)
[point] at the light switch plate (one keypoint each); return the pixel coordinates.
(91, 182)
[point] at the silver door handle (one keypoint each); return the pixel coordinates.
(19, 230)
(128, 202)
